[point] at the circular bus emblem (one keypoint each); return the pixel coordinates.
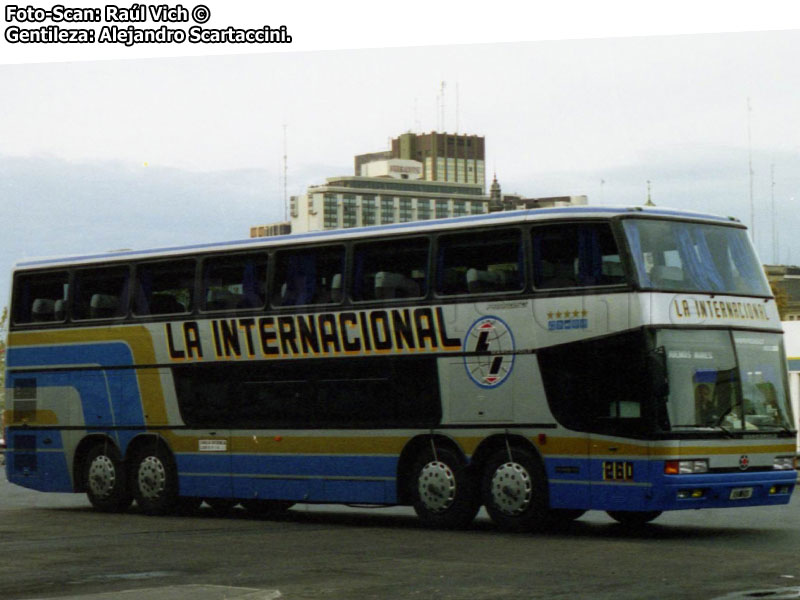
(744, 462)
(489, 351)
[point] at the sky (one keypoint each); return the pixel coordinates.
(157, 151)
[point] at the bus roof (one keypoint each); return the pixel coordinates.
(505, 217)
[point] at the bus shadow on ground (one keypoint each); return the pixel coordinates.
(379, 517)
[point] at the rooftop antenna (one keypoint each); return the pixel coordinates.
(441, 96)
(285, 183)
(649, 200)
(457, 108)
(750, 169)
(774, 233)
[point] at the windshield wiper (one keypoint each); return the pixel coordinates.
(725, 430)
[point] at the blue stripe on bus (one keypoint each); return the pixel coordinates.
(290, 477)
(108, 397)
(302, 465)
(36, 460)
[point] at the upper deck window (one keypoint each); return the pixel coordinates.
(480, 263)
(101, 293)
(164, 288)
(675, 255)
(40, 297)
(575, 255)
(235, 282)
(390, 270)
(308, 276)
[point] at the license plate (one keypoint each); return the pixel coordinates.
(741, 493)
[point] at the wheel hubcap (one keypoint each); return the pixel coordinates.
(512, 488)
(102, 476)
(437, 486)
(152, 477)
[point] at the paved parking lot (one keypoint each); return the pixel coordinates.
(55, 545)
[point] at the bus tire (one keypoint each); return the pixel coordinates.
(633, 518)
(443, 491)
(514, 491)
(106, 484)
(155, 481)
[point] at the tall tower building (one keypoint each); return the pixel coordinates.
(445, 157)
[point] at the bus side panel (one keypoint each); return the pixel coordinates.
(316, 469)
(35, 459)
(205, 475)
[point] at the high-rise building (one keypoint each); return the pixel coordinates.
(422, 177)
(450, 157)
(394, 193)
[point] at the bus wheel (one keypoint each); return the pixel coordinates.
(514, 491)
(104, 475)
(633, 518)
(155, 481)
(443, 490)
(267, 507)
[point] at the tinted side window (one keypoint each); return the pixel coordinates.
(235, 282)
(387, 270)
(164, 288)
(101, 293)
(575, 255)
(598, 385)
(40, 297)
(479, 263)
(358, 392)
(312, 276)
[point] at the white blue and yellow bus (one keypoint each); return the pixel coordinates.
(539, 363)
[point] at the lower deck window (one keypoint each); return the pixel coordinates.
(309, 394)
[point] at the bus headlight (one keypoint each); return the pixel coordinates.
(784, 463)
(685, 467)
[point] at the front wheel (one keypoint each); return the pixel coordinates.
(104, 475)
(633, 518)
(443, 490)
(514, 491)
(155, 481)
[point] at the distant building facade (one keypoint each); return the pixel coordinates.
(284, 228)
(422, 177)
(499, 201)
(446, 157)
(787, 280)
(395, 194)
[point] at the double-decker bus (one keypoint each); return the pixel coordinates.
(539, 363)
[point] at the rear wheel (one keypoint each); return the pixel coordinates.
(155, 481)
(443, 490)
(104, 475)
(514, 490)
(633, 518)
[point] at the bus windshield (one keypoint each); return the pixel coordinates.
(678, 255)
(728, 379)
